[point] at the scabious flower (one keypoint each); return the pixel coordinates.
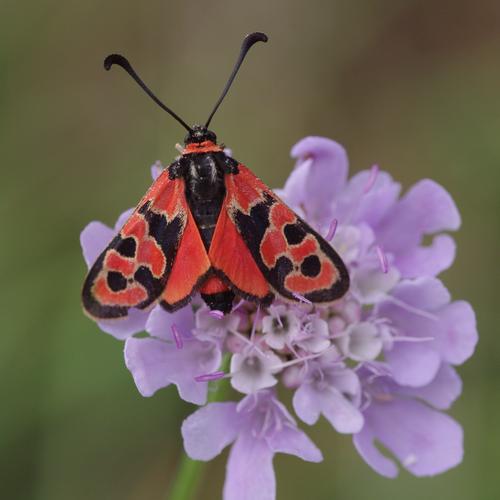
(377, 364)
(257, 427)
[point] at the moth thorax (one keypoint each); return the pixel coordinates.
(206, 178)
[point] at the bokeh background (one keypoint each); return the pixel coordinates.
(412, 85)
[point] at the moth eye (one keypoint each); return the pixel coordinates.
(311, 266)
(116, 281)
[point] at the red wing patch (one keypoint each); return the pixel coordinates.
(232, 259)
(133, 269)
(190, 268)
(213, 285)
(292, 257)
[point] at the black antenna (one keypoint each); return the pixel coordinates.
(123, 62)
(249, 40)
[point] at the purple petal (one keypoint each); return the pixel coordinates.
(250, 473)
(451, 329)
(309, 402)
(459, 338)
(358, 206)
(145, 358)
(326, 174)
(155, 364)
(156, 169)
(209, 430)
(370, 285)
(295, 442)
(427, 294)
(425, 209)
(341, 413)
(123, 328)
(425, 441)
(160, 322)
(364, 443)
(427, 260)
(293, 190)
(413, 364)
(306, 404)
(94, 238)
(123, 218)
(441, 392)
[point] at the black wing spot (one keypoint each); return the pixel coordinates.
(158, 224)
(116, 281)
(166, 234)
(127, 247)
(311, 266)
(280, 271)
(294, 234)
(253, 227)
(145, 277)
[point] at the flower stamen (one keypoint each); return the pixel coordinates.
(332, 230)
(238, 305)
(372, 179)
(409, 308)
(177, 337)
(249, 342)
(404, 338)
(301, 360)
(208, 377)
(383, 259)
(301, 298)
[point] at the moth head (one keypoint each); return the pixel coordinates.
(200, 133)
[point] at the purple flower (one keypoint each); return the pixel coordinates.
(406, 421)
(443, 331)
(161, 359)
(331, 389)
(319, 175)
(253, 370)
(257, 427)
(377, 364)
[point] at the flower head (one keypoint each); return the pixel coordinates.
(377, 364)
(257, 427)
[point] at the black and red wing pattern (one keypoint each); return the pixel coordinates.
(233, 261)
(263, 246)
(133, 270)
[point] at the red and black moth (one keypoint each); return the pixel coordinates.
(209, 225)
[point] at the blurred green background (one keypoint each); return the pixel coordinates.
(411, 85)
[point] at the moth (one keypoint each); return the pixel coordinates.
(209, 225)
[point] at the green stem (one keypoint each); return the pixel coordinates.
(190, 472)
(187, 479)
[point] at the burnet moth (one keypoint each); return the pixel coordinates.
(208, 224)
